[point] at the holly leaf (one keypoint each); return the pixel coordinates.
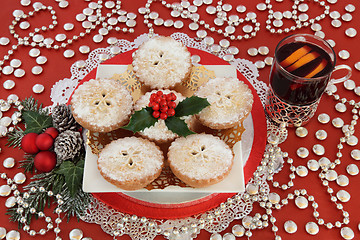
(141, 120)
(73, 174)
(36, 122)
(178, 126)
(190, 106)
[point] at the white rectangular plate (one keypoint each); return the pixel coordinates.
(234, 182)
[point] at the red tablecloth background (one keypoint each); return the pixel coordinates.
(58, 68)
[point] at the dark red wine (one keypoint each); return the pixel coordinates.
(301, 73)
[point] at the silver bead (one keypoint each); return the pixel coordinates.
(38, 88)
(290, 226)
(84, 49)
(301, 202)
(75, 234)
(34, 52)
(312, 228)
(347, 233)
(41, 60)
(9, 84)
(344, 54)
(36, 70)
(338, 122)
(13, 234)
(352, 169)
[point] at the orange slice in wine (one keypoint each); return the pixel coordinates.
(303, 60)
(318, 69)
(299, 53)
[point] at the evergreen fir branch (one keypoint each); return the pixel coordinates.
(30, 104)
(27, 164)
(14, 138)
(75, 205)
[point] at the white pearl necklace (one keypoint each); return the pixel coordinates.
(187, 11)
(301, 20)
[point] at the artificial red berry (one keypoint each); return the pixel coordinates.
(168, 97)
(153, 96)
(163, 116)
(171, 112)
(156, 114)
(44, 141)
(52, 132)
(163, 103)
(159, 93)
(173, 96)
(28, 143)
(156, 107)
(157, 99)
(164, 109)
(171, 104)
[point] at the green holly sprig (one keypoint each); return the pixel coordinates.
(143, 118)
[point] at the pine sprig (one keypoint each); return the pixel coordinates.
(14, 137)
(30, 104)
(27, 164)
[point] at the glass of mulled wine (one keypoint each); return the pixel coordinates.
(300, 73)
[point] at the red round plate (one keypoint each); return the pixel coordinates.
(131, 205)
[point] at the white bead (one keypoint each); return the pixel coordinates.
(238, 230)
(312, 228)
(352, 169)
(290, 226)
(302, 171)
(68, 53)
(9, 84)
(7, 70)
(75, 234)
(36, 70)
(41, 60)
(13, 235)
(68, 26)
(274, 198)
(24, 25)
(38, 88)
(344, 54)
(343, 196)
(313, 165)
(25, 2)
(302, 152)
(19, 178)
(15, 63)
(34, 52)
(215, 236)
(84, 49)
(338, 122)
(342, 180)
(301, 202)
(347, 233)
(19, 73)
(10, 202)
(9, 162)
(98, 38)
(351, 32)
(60, 37)
(63, 4)
(80, 17)
(252, 51)
(5, 190)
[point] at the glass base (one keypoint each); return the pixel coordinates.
(282, 112)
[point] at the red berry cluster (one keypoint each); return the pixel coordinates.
(163, 105)
(40, 145)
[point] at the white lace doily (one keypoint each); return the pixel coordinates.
(116, 223)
